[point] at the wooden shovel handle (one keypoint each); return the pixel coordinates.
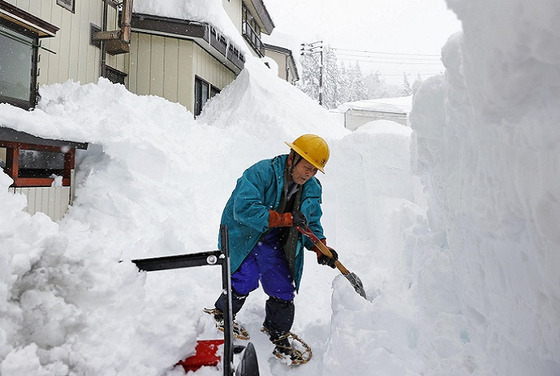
(322, 247)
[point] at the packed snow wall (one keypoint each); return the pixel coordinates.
(489, 154)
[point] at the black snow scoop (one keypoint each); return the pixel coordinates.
(353, 278)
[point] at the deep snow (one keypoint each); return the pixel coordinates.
(488, 145)
(154, 182)
(451, 225)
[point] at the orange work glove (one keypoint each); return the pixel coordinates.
(276, 219)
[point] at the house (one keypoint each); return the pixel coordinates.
(183, 60)
(284, 59)
(359, 113)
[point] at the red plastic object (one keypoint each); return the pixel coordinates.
(205, 355)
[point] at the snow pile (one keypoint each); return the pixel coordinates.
(488, 145)
(146, 187)
(153, 182)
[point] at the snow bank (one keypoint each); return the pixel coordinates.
(281, 110)
(72, 303)
(489, 155)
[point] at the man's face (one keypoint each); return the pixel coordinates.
(303, 171)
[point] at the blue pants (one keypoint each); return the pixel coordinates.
(266, 263)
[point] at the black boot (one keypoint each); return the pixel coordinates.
(279, 315)
(277, 324)
(283, 345)
(237, 302)
(289, 347)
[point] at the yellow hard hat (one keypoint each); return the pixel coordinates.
(313, 149)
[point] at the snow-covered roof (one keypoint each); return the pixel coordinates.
(211, 12)
(399, 105)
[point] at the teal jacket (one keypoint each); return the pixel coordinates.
(246, 213)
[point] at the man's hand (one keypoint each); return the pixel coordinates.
(326, 260)
(296, 218)
(323, 259)
(299, 219)
(276, 219)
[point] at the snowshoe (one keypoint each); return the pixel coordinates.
(239, 331)
(290, 349)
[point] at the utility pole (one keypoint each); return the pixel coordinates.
(312, 49)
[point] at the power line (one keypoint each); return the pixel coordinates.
(378, 57)
(383, 53)
(397, 74)
(399, 62)
(389, 64)
(387, 58)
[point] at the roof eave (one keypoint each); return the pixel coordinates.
(11, 135)
(202, 33)
(266, 21)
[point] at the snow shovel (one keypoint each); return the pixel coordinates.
(353, 278)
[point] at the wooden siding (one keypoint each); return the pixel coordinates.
(74, 57)
(281, 61)
(211, 69)
(233, 10)
(53, 201)
(166, 66)
(283, 57)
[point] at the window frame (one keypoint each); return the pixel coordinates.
(12, 142)
(31, 101)
(199, 102)
(64, 4)
(115, 75)
(251, 31)
(13, 165)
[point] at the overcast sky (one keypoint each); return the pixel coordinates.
(398, 35)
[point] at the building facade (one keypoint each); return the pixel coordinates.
(184, 61)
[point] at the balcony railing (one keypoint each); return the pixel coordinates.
(253, 38)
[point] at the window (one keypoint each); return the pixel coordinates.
(35, 162)
(114, 75)
(3, 158)
(202, 92)
(200, 95)
(92, 30)
(17, 65)
(67, 4)
(40, 164)
(252, 31)
(19, 41)
(37, 168)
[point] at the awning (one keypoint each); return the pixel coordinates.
(27, 20)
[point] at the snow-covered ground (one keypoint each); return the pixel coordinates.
(451, 225)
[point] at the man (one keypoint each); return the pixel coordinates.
(270, 199)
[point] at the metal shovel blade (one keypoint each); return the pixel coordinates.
(356, 283)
